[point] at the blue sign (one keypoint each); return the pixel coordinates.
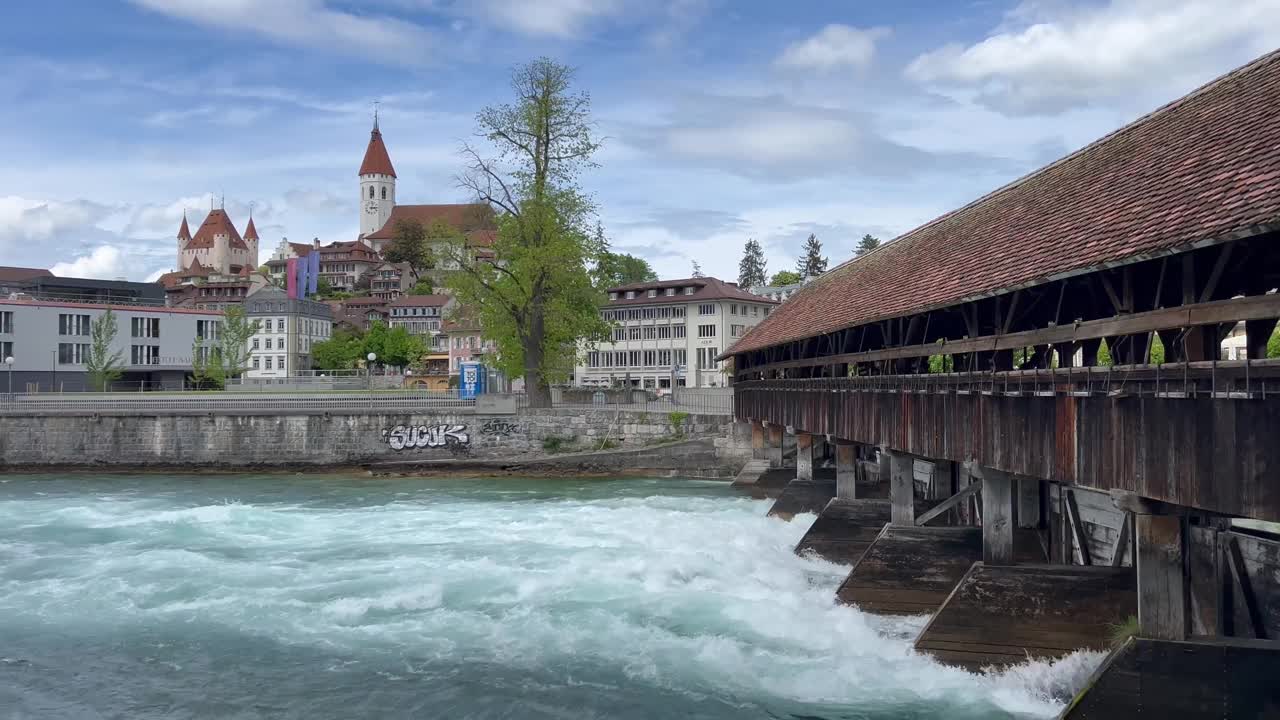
(472, 380)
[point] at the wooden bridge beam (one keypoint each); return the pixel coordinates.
(808, 454)
(902, 488)
(997, 517)
(846, 470)
(774, 451)
(1162, 587)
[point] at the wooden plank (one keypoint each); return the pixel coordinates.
(846, 470)
(1241, 575)
(1077, 529)
(1122, 544)
(805, 452)
(997, 517)
(844, 530)
(953, 501)
(902, 488)
(1162, 611)
(804, 496)
(1257, 307)
(1028, 502)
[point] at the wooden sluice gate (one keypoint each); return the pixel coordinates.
(912, 570)
(805, 496)
(845, 529)
(1004, 615)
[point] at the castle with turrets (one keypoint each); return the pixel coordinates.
(217, 246)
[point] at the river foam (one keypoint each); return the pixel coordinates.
(574, 599)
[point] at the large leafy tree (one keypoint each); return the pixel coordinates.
(233, 340)
(614, 269)
(342, 351)
(785, 277)
(393, 346)
(537, 302)
(411, 245)
(751, 269)
(103, 365)
(812, 263)
(868, 243)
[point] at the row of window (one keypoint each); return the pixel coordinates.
(635, 358)
(653, 292)
(737, 309)
(415, 312)
(384, 192)
(72, 324)
(707, 357)
(645, 313)
(78, 353)
(266, 362)
(309, 327)
(660, 332)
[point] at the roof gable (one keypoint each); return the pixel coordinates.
(464, 217)
(217, 222)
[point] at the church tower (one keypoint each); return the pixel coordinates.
(377, 184)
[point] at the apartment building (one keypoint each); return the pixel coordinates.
(288, 327)
(50, 343)
(421, 315)
(667, 334)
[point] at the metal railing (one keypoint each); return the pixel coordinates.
(233, 402)
(695, 401)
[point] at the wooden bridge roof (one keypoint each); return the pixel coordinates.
(1200, 170)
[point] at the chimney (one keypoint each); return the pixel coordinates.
(315, 242)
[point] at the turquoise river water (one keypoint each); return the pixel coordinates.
(275, 596)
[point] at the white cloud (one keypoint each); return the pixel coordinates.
(25, 220)
(308, 23)
(1045, 61)
(105, 262)
(556, 18)
(214, 115)
(833, 47)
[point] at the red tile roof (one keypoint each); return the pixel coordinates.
(376, 160)
(217, 222)
(184, 232)
(250, 232)
(463, 216)
(19, 274)
(1204, 167)
(363, 302)
(358, 251)
(420, 301)
(706, 288)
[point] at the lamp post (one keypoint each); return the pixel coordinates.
(9, 362)
(369, 368)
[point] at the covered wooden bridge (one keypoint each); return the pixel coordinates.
(1039, 379)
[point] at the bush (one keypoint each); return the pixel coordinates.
(1119, 633)
(677, 420)
(555, 444)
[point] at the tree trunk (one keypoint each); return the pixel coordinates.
(535, 383)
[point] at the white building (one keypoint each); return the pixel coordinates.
(671, 332)
(50, 343)
(287, 330)
(421, 315)
(778, 293)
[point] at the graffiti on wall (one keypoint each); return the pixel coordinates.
(499, 427)
(409, 437)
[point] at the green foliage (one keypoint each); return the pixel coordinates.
(866, 244)
(751, 269)
(538, 301)
(1119, 633)
(324, 288)
(1104, 355)
(342, 351)
(1273, 345)
(1157, 349)
(422, 287)
(942, 363)
(785, 277)
(556, 444)
(234, 341)
(393, 346)
(811, 263)
(614, 269)
(677, 421)
(207, 371)
(608, 444)
(411, 246)
(103, 365)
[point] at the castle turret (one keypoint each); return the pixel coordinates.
(251, 240)
(377, 184)
(184, 237)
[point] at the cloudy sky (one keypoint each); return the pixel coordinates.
(724, 119)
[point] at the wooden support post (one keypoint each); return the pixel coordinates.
(997, 517)
(846, 470)
(759, 444)
(886, 466)
(1257, 334)
(1162, 589)
(1028, 502)
(964, 478)
(774, 452)
(806, 448)
(788, 447)
(902, 489)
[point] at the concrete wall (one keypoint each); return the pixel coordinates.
(299, 439)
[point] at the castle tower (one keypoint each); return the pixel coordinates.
(377, 184)
(184, 237)
(251, 240)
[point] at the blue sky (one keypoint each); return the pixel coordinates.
(724, 120)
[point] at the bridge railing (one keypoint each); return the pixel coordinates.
(234, 402)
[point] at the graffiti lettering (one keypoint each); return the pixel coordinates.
(408, 437)
(499, 427)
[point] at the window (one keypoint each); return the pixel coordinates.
(755, 310)
(634, 358)
(145, 354)
(733, 308)
(664, 332)
(267, 363)
(280, 361)
(671, 291)
(677, 312)
(256, 362)
(766, 312)
(653, 293)
(707, 309)
(633, 333)
(613, 296)
(6, 350)
(664, 312)
(6, 323)
(207, 329)
(255, 343)
(370, 192)
(73, 324)
(619, 334)
(268, 343)
(73, 353)
(593, 359)
(649, 313)
(706, 331)
(650, 333)
(680, 356)
(735, 331)
(384, 192)
(631, 294)
(689, 290)
(664, 357)
(267, 325)
(707, 358)
(677, 331)
(650, 358)
(620, 359)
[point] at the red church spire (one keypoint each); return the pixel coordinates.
(184, 233)
(376, 160)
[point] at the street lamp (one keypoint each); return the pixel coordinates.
(369, 368)
(9, 361)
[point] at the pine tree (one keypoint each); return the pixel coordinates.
(697, 269)
(812, 263)
(868, 243)
(751, 269)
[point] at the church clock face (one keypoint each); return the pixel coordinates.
(371, 207)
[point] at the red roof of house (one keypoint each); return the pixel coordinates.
(482, 238)
(217, 222)
(420, 301)
(364, 302)
(705, 288)
(1203, 168)
(358, 251)
(376, 160)
(19, 274)
(465, 217)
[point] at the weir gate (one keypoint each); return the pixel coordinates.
(1053, 411)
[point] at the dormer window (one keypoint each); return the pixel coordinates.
(653, 293)
(688, 290)
(613, 296)
(631, 294)
(671, 291)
